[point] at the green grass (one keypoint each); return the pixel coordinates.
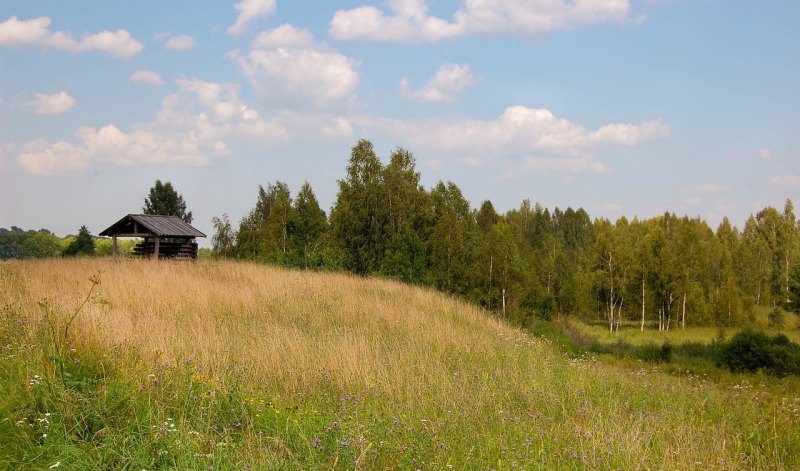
(631, 333)
(481, 396)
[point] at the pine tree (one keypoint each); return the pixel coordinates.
(82, 245)
(164, 200)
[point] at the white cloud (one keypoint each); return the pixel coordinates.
(786, 181)
(409, 21)
(250, 10)
(765, 154)
(180, 43)
(193, 126)
(56, 103)
(537, 140)
(44, 158)
(286, 66)
(146, 77)
(630, 134)
(36, 32)
(450, 81)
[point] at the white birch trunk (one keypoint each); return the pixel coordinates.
(642, 329)
(683, 314)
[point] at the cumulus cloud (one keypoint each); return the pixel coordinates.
(536, 140)
(194, 125)
(250, 10)
(286, 66)
(450, 81)
(786, 181)
(409, 21)
(630, 134)
(146, 77)
(180, 43)
(36, 32)
(56, 103)
(44, 158)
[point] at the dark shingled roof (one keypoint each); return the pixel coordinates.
(144, 225)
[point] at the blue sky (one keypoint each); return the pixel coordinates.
(622, 107)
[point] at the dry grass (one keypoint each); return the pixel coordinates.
(278, 326)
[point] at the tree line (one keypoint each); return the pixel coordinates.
(529, 263)
(16, 243)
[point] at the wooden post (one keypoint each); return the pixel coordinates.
(504, 302)
(155, 250)
(114, 248)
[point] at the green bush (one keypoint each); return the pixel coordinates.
(750, 351)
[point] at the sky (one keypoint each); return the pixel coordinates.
(622, 107)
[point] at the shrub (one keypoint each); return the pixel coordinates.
(655, 353)
(750, 351)
(777, 319)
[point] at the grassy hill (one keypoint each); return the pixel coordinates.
(242, 366)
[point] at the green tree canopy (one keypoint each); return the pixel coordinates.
(164, 200)
(82, 245)
(224, 236)
(794, 287)
(307, 225)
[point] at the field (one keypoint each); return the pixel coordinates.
(230, 365)
(631, 332)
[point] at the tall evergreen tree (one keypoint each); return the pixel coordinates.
(82, 245)
(164, 200)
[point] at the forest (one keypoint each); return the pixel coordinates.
(531, 262)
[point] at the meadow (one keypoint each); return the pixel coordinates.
(231, 365)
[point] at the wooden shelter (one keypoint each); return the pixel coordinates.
(164, 236)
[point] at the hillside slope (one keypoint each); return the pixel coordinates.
(224, 364)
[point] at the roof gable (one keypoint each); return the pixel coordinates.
(146, 225)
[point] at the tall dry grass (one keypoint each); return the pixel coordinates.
(274, 325)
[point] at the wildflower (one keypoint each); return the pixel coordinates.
(316, 442)
(335, 424)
